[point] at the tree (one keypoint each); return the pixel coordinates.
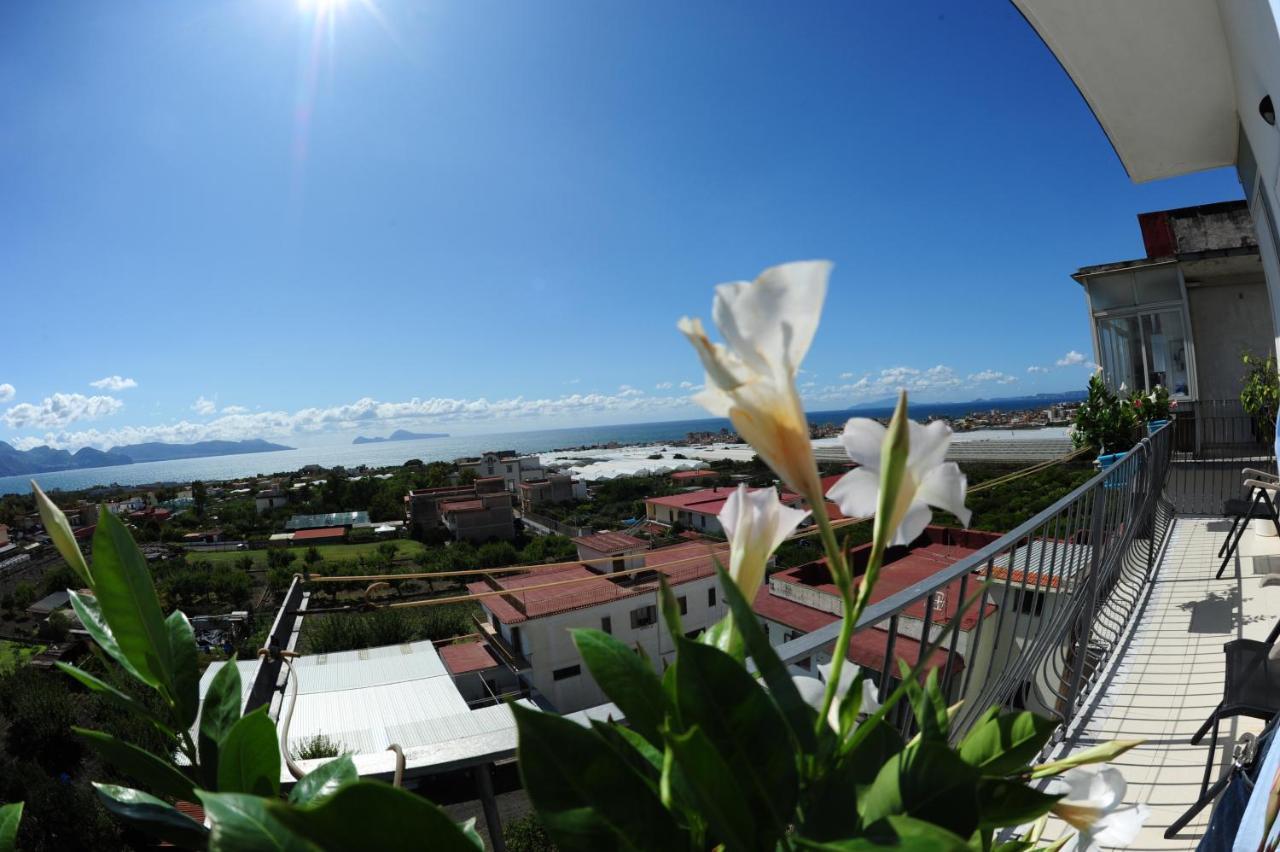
(245, 563)
(312, 556)
(199, 497)
(388, 550)
(280, 557)
(24, 595)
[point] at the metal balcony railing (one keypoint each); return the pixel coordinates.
(1053, 598)
(1212, 441)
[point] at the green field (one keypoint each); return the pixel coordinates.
(14, 654)
(407, 549)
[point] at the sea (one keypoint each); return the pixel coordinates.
(219, 468)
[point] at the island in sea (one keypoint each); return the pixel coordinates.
(15, 462)
(399, 435)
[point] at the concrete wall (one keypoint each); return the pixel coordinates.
(1227, 319)
(546, 644)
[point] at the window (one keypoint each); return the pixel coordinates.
(1143, 350)
(684, 604)
(619, 564)
(566, 672)
(1030, 602)
(790, 635)
(711, 596)
(645, 616)
(606, 624)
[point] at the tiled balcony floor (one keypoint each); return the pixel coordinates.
(1169, 677)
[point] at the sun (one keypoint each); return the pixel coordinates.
(321, 8)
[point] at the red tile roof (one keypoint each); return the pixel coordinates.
(610, 542)
(685, 475)
(939, 549)
(867, 647)
(681, 563)
(795, 615)
(320, 532)
(464, 657)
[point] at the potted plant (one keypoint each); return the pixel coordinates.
(1154, 409)
(1260, 394)
(1104, 423)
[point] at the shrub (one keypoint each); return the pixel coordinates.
(325, 634)
(1104, 422)
(1260, 391)
(320, 745)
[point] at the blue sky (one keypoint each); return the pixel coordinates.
(260, 218)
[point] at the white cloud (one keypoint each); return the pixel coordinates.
(60, 410)
(1036, 369)
(282, 424)
(663, 386)
(1071, 359)
(204, 406)
(235, 409)
(573, 381)
(628, 391)
(687, 386)
(846, 376)
(114, 383)
(7, 392)
(887, 382)
(992, 376)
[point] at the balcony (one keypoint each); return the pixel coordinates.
(1124, 637)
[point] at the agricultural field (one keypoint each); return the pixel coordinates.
(13, 655)
(406, 549)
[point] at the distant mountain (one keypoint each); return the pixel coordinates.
(1002, 402)
(156, 451)
(15, 462)
(399, 435)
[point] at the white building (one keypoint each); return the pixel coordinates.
(271, 498)
(513, 468)
(529, 626)
(1181, 86)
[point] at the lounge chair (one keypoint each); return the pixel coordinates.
(1257, 505)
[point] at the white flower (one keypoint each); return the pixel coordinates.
(767, 326)
(1093, 804)
(756, 522)
(928, 479)
(812, 690)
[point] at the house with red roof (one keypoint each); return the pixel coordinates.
(527, 617)
(698, 510)
(800, 600)
(476, 512)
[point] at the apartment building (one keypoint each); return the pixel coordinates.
(512, 467)
(475, 512)
(529, 624)
(551, 489)
(699, 510)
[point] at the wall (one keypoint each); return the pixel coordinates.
(548, 646)
(1225, 321)
(1250, 27)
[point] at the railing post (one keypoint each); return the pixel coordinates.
(1095, 568)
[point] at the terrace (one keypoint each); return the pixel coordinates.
(1129, 645)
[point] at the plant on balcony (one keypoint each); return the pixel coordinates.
(1153, 406)
(1260, 392)
(1104, 422)
(715, 754)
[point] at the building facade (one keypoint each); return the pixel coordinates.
(551, 489)
(475, 512)
(530, 626)
(511, 466)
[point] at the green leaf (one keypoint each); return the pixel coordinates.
(323, 781)
(186, 668)
(723, 637)
(586, 795)
(893, 464)
(626, 678)
(142, 766)
(243, 823)
(123, 588)
(1004, 802)
(90, 614)
(373, 815)
(899, 833)
(999, 744)
(59, 530)
(831, 810)
(10, 817)
(927, 781)
(120, 699)
(928, 705)
(799, 715)
(220, 712)
(633, 748)
(670, 608)
(715, 793)
(1095, 754)
(153, 816)
(850, 707)
(737, 715)
(249, 757)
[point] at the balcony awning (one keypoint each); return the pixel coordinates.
(1156, 73)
